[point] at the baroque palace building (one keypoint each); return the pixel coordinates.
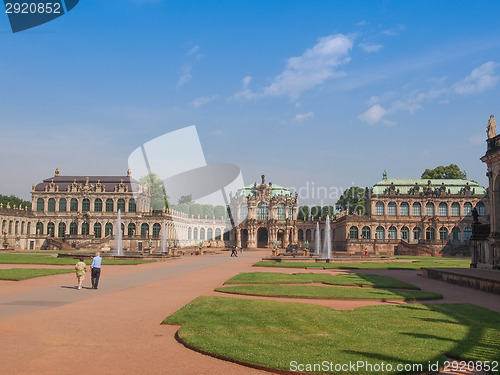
(82, 211)
(402, 216)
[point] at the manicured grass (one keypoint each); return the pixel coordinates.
(327, 292)
(415, 265)
(28, 273)
(45, 259)
(364, 280)
(273, 334)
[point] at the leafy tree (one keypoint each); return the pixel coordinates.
(315, 212)
(186, 199)
(208, 211)
(195, 209)
(353, 200)
(303, 212)
(159, 198)
(327, 211)
(219, 211)
(183, 207)
(14, 201)
(452, 171)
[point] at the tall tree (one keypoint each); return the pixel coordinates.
(327, 211)
(316, 212)
(303, 213)
(219, 212)
(452, 171)
(353, 200)
(186, 199)
(159, 198)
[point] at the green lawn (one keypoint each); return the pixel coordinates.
(328, 292)
(363, 280)
(28, 273)
(415, 265)
(46, 259)
(274, 334)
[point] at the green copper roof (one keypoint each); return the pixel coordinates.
(454, 186)
(276, 190)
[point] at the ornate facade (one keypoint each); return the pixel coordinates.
(264, 215)
(82, 211)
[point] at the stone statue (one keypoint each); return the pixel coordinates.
(491, 129)
(263, 179)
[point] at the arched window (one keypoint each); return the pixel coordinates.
(404, 209)
(10, 227)
(262, 211)
(4, 223)
(353, 233)
(16, 228)
(217, 234)
(379, 208)
(301, 235)
(281, 211)
(85, 229)
(61, 230)
(73, 229)
(467, 233)
(131, 229)
(144, 230)
(202, 234)
(455, 209)
(28, 228)
(40, 205)
(22, 227)
(51, 229)
(467, 209)
(86, 205)
(51, 206)
(290, 213)
(110, 205)
(195, 234)
(210, 234)
(443, 234)
(430, 234)
(405, 234)
(455, 235)
(226, 236)
(480, 209)
(243, 211)
(308, 235)
(120, 205)
(393, 233)
(108, 230)
(189, 233)
(63, 205)
(392, 209)
(429, 209)
(132, 205)
(380, 233)
(97, 230)
(443, 209)
(417, 209)
(98, 205)
(39, 228)
(417, 234)
(366, 233)
(73, 205)
(156, 230)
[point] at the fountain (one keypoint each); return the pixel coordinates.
(118, 236)
(163, 244)
(317, 241)
(327, 242)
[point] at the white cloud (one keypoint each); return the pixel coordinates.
(304, 72)
(371, 48)
(373, 115)
(245, 92)
(193, 50)
(185, 76)
(481, 79)
(304, 116)
(198, 102)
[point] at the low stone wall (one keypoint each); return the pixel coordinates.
(472, 281)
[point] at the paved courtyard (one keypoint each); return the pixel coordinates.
(49, 327)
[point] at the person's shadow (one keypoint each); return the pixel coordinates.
(74, 287)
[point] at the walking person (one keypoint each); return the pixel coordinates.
(234, 251)
(96, 270)
(80, 268)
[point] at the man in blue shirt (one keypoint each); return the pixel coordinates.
(96, 270)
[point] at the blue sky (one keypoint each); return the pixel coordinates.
(322, 93)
